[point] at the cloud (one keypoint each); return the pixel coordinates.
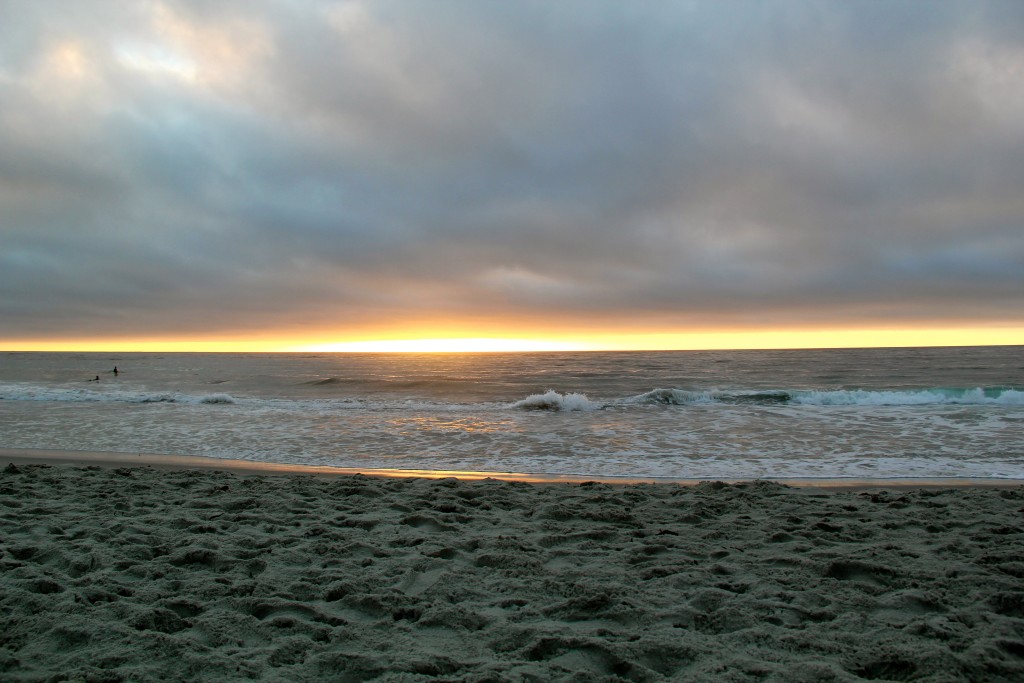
(183, 168)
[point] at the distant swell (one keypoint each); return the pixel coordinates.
(36, 393)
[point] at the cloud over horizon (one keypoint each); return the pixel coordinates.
(196, 167)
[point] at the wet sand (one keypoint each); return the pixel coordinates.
(37, 456)
(130, 572)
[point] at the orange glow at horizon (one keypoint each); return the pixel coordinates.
(545, 341)
(444, 345)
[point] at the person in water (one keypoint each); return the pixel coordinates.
(96, 379)
(115, 371)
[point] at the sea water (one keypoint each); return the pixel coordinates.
(930, 412)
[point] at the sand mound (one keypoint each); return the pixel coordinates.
(136, 574)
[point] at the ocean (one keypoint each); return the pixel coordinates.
(860, 413)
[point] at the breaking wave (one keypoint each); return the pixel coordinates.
(552, 400)
(679, 397)
(1007, 396)
(979, 396)
(217, 398)
(997, 396)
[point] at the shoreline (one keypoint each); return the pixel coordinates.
(113, 459)
(121, 572)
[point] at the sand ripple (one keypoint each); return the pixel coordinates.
(137, 574)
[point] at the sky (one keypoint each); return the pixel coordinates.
(276, 174)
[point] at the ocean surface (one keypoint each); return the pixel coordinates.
(932, 412)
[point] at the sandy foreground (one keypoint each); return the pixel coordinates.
(138, 573)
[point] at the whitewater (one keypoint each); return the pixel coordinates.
(875, 413)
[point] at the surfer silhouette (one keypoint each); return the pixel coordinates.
(96, 379)
(115, 371)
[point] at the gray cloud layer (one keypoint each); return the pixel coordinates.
(188, 167)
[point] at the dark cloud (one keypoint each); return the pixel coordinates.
(194, 167)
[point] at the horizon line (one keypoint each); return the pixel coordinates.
(441, 341)
(441, 352)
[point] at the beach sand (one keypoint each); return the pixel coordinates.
(138, 573)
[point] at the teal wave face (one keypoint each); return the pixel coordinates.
(1005, 395)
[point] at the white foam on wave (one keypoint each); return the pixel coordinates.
(217, 398)
(671, 397)
(680, 397)
(977, 396)
(1000, 396)
(552, 400)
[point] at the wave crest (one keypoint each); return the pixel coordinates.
(552, 400)
(217, 398)
(1006, 396)
(680, 397)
